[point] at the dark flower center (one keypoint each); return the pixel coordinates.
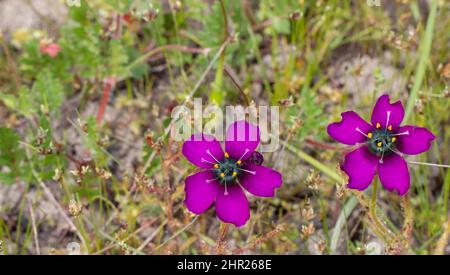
(381, 142)
(228, 171)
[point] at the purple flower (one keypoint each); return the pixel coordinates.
(380, 146)
(227, 174)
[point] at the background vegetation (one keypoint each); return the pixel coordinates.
(85, 154)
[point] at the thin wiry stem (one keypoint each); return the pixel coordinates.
(33, 223)
(429, 164)
(176, 234)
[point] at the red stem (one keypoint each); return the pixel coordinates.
(107, 87)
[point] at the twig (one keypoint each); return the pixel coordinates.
(111, 239)
(260, 240)
(176, 234)
(233, 78)
(33, 224)
(180, 48)
(151, 237)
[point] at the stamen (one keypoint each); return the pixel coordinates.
(238, 162)
(395, 151)
(369, 135)
(378, 126)
(234, 174)
(379, 144)
(387, 120)
(362, 133)
(248, 171)
(209, 153)
(420, 163)
(393, 139)
(227, 155)
(222, 175)
(245, 152)
(207, 161)
(216, 166)
(390, 127)
(401, 134)
(381, 159)
(239, 183)
(226, 190)
(211, 180)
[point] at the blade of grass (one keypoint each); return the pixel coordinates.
(425, 49)
(342, 219)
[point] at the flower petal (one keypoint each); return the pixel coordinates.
(233, 206)
(196, 149)
(394, 174)
(381, 110)
(360, 165)
(200, 194)
(417, 141)
(345, 130)
(263, 182)
(241, 140)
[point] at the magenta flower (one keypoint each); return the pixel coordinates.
(227, 174)
(380, 146)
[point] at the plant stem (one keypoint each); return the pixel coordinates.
(176, 234)
(408, 223)
(386, 234)
(107, 87)
(374, 195)
(220, 239)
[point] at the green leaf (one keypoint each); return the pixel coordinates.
(11, 156)
(118, 59)
(49, 90)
